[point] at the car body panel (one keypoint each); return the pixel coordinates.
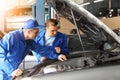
(101, 73)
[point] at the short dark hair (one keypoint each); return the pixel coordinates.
(53, 22)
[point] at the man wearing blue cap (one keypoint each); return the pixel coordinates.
(14, 46)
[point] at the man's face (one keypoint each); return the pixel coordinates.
(51, 30)
(33, 33)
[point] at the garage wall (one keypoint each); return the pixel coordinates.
(113, 22)
(67, 26)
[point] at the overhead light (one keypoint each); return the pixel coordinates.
(98, 1)
(84, 4)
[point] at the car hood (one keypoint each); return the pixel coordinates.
(84, 21)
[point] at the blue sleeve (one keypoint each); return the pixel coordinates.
(5, 47)
(6, 43)
(46, 51)
(50, 53)
(64, 46)
(38, 48)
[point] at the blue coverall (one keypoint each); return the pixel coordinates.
(13, 49)
(60, 41)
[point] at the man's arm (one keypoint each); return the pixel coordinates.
(5, 47)
(64, 46)
(45, 51)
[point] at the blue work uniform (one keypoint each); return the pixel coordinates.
(59, 41)
(13, 49)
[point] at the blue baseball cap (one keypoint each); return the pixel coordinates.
(30, 24)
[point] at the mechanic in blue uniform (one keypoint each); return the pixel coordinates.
(50, 36)
(14, 46)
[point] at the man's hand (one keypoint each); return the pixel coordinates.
(17, 72)
(62, 57)
(43, 59)
(57, 49)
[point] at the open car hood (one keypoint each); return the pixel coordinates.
(95, 30)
